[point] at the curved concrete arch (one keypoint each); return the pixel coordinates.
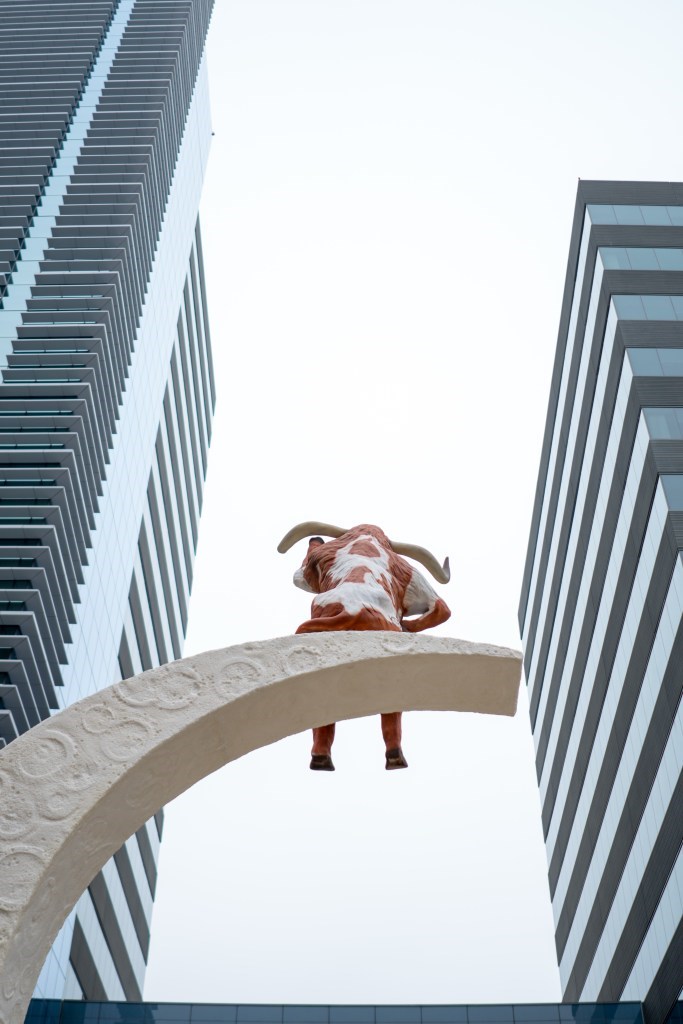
(75, 787)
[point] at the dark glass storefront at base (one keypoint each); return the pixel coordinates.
(55, 1011)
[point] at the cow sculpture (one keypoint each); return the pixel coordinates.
(362, 582)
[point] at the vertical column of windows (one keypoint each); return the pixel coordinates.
(205, 390)
(162, 547)
(152, 593)
(176, 465)
(582, 392)
(556, 448)
(170, 514)
(195, 396)
(91, 958)
(186, 343)
(185, 468)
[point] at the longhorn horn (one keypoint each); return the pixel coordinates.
(441, 573)
(309, 529)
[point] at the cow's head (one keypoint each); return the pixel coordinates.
(441, 573)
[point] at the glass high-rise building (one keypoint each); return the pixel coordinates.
(602, 602)
(107, 391)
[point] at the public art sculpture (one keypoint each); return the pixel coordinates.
(362, 582)
(76, 786)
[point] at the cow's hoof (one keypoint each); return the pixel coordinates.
(395, 759)
(321, 763)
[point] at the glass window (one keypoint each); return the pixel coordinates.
(352, 1014)
(629, 307)
(536, 1012)
(673, 489)
(645, 362)
(259, 1013)
(164, 1011)
(444, 1014)
(671, 360)
(585, 1013)
(656, 362)
(398, 1014)
(212, 1012)
(601, 214)
(72, 1012)
(628, 214)
(306, 1014)
(624, 1011)
(655, 215)
(670, 259)
(614, 258)
(658, 307)
(664, 424)
(642, 259)
(658, 216)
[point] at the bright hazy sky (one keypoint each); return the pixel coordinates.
(386, 221)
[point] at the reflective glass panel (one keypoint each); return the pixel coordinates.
(444, 1014)
(658, 307)
(614, 258)
(670, 259)
(542, 1012)
(672, 361)
(649, 307)
(656, 216)
(656, 362)
(673, 489)
(664, 424)
(645, 362)
(643, 259)
(214, 1013)
(629, 307)
(628, 214)
(306, 1014)
(398, 1015)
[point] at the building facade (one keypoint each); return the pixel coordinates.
(602, 602)
(107, 391)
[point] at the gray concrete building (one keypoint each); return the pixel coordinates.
(107, 391)
(602, 602)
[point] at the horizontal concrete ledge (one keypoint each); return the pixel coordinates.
(75, 787)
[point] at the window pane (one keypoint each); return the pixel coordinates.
(601, 214)
(655, 215)
(658, 307)
(673, 489)
(664, 424)
(676, 215)
(645, 362)
(629, 307)
(670, 259)
(614, 258)
(671, 360)
(628, 215)
(642, 259)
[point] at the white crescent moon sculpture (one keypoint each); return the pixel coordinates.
(75, 787)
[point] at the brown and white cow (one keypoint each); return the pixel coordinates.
(362, 582)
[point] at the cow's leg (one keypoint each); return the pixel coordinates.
(391, 731)
(321, 752)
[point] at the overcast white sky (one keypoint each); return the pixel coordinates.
(386, 221)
